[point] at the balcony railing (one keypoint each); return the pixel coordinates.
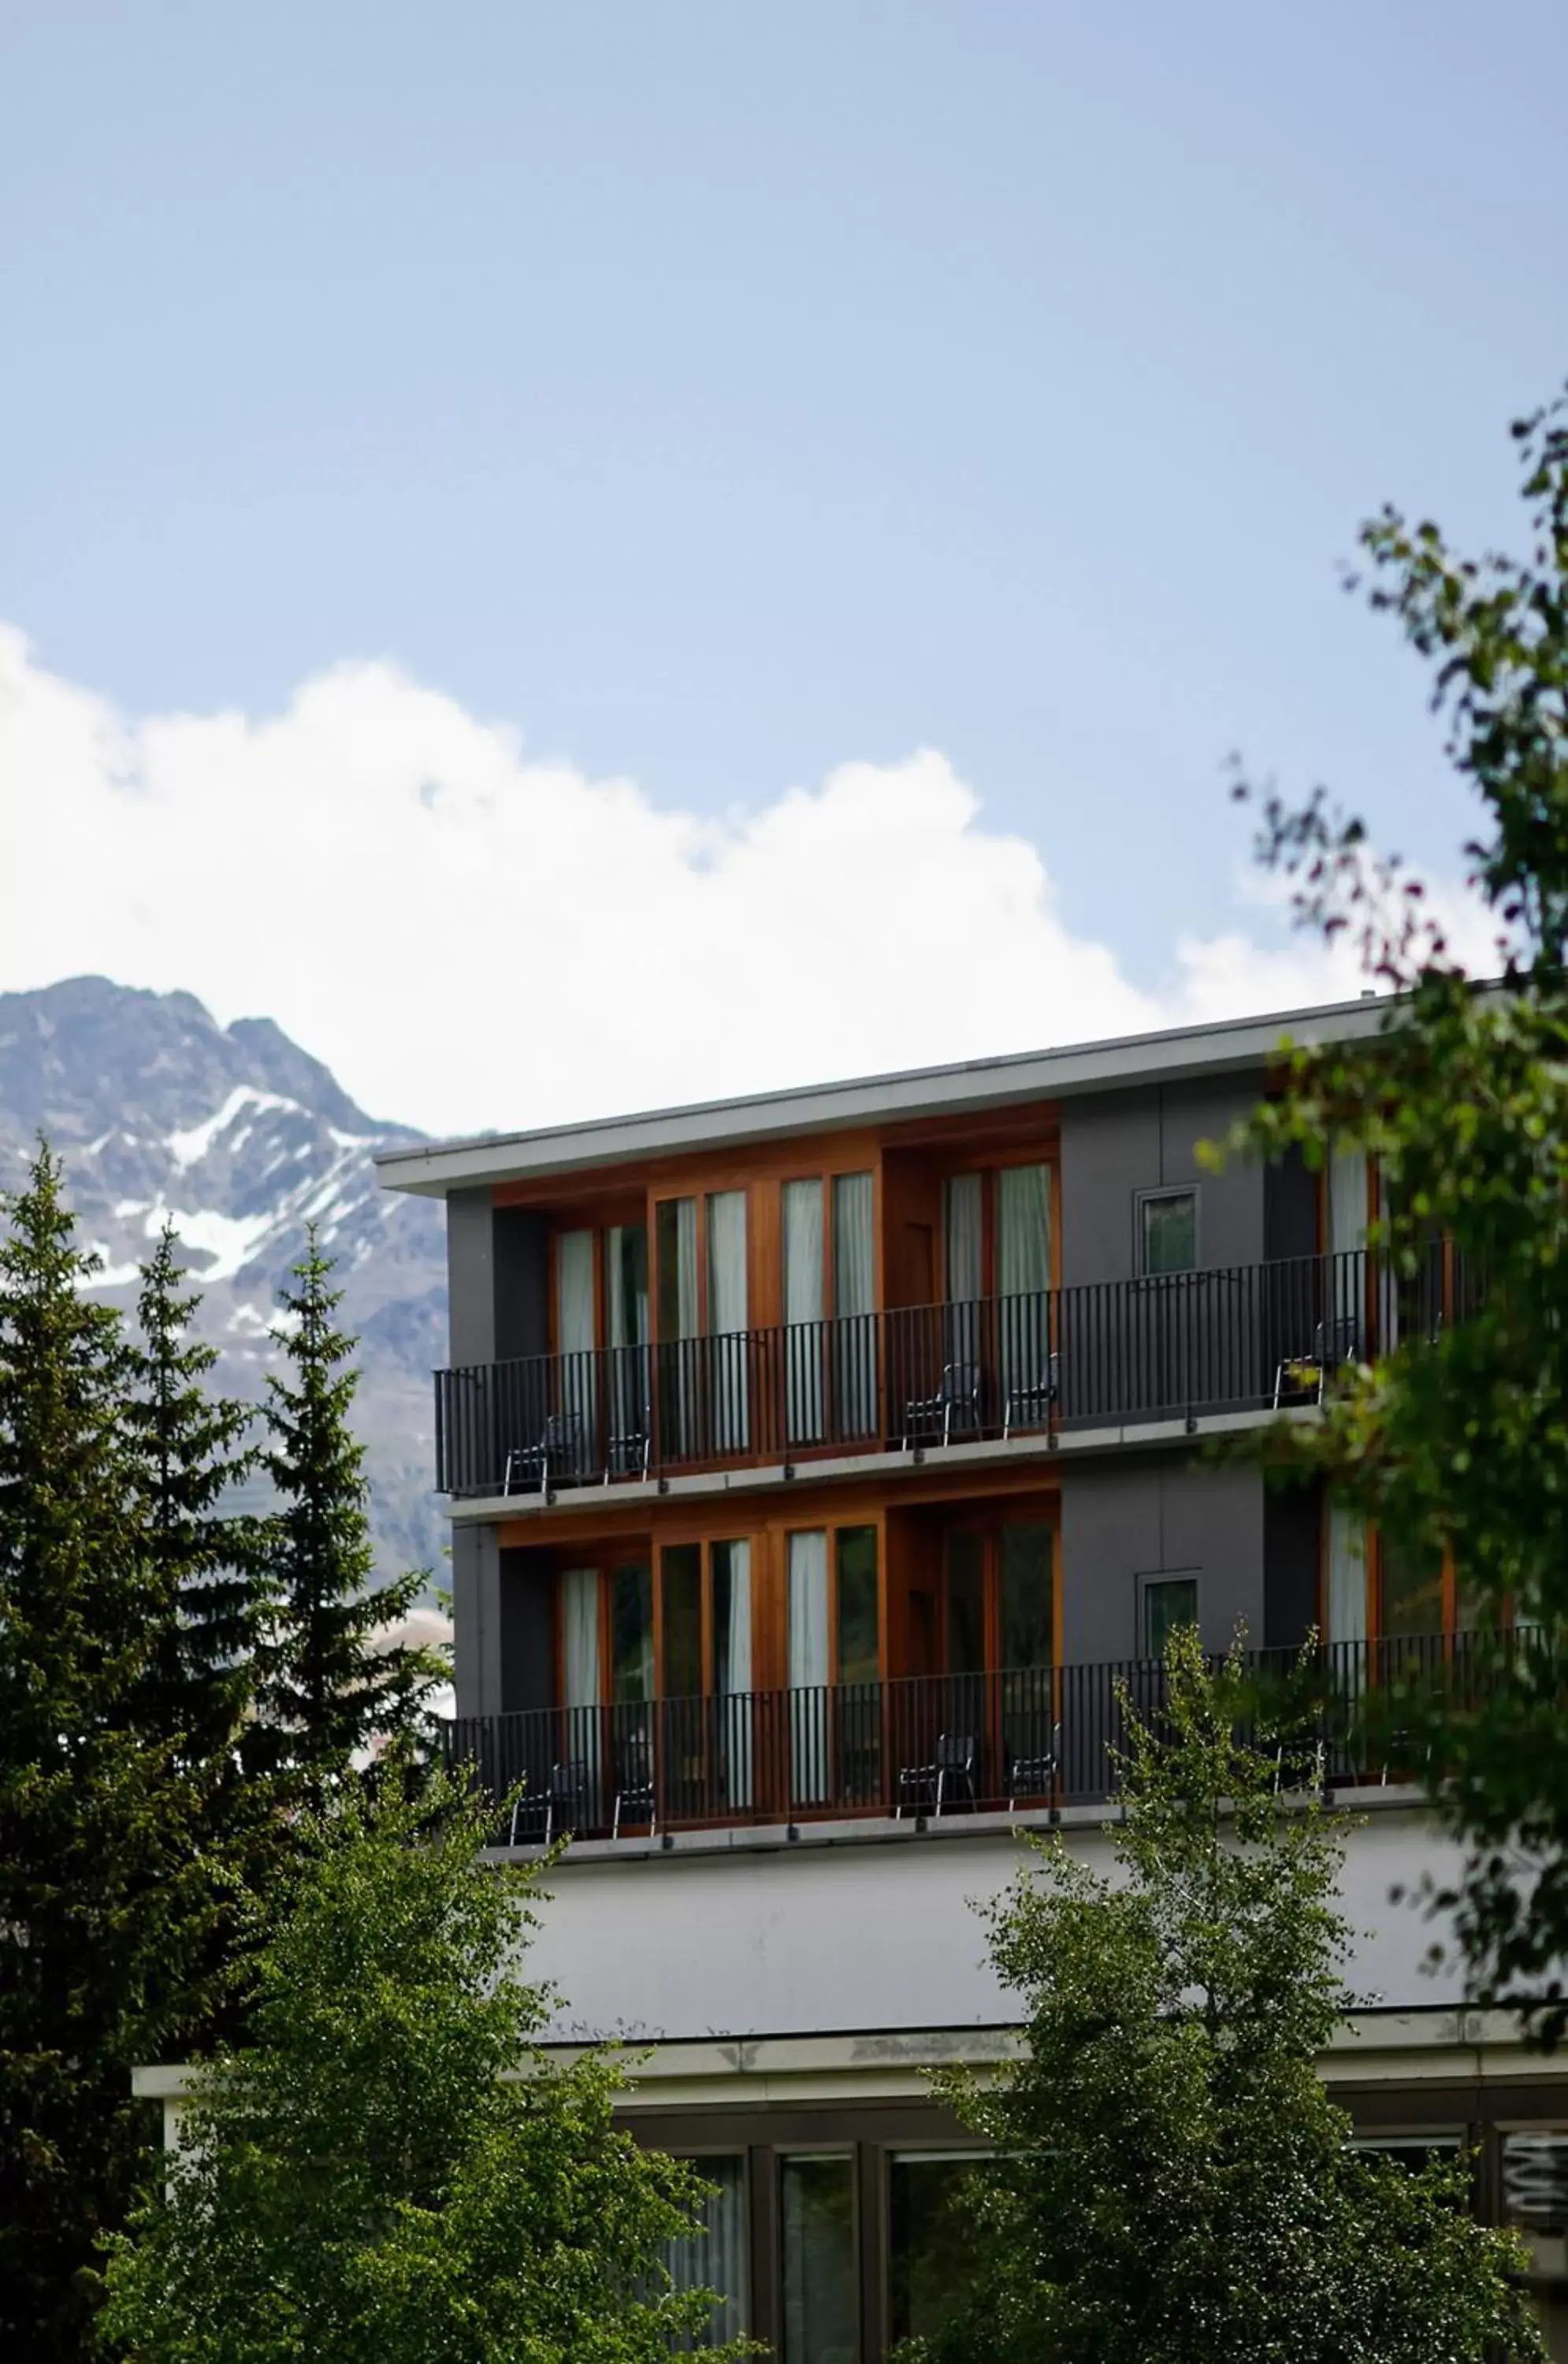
(1182, 1344)
(1029, 1737)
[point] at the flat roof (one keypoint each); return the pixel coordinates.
(436, 1168)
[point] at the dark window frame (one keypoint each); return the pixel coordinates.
(1162, 1193)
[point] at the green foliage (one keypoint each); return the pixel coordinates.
(108, 1898)
(393, 2173)
(1461, 1442)
(330, 1686)
(1173, 2184)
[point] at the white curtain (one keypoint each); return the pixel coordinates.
(808, 1664)
(1023, 1279)
(715, 2258)
(733, 1669)
(854, 1301)
(576, 1389)
(678, 1388)
(803, 1279)
(579, 1603)
(1347, 1236)
(686, 1268)
(727, 1316)
(1346, 1575)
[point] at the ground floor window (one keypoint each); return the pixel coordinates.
(931, 2249)
(819, 2256)
(715, 2259)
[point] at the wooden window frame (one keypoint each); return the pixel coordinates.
(832, 1527)
(702, 1544)
(605, 1559)
(988, 1524)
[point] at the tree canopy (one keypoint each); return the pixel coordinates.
(1451, 1438)
(392, 2172)
(1170, 2182)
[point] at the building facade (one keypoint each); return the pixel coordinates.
(818, 1463)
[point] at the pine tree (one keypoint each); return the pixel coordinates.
(205, 1561)
(108, 1888)
(331, 1682)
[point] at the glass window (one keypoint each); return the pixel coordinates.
(963, 1221)
(821, 2315)
(930, 2246)
(625, 1284)
(966, 1602)
(1412, 1591)
(1168, 1232)
(1414, 2151)
(1169, 1601)
(683, 1621)
(631, 1634)
(1023, 1230)
(1027, 1566)
(677, 1235)
(854, 1288)
(715, 2259)
(860, 1659)
(731, 1564)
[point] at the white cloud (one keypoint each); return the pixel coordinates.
(472, 939)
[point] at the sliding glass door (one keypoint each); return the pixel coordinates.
(705, 1605)
(829, 1299)
(703, 1341)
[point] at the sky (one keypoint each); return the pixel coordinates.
(579, 557)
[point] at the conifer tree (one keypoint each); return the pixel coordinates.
(331, 1682)
(205, 1566)
(107, 1890)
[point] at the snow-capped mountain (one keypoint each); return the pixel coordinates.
(239, 1138)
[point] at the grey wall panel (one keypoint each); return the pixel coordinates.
(1230, 1203)
(1110, 1530)
(1116, 1144)
(528, 1629)
(1110, 1147)
(1123, 1521)
(471, 1279)
(1290, 1208)
(1292, 1530)
(476, 1619)
(522, 1282)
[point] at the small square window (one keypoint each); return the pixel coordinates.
(1167, 1232)
(1168, 1602)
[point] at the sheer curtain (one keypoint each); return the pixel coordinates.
(1347, 1574)
(580, 1636)
(1023, 1275)
(808, 1665)
(854, 1301)
(1347, 1201)
(802, 1281)
(716, 2257)
(962, 1220)
(731, 1564)
(677, 1281)
(574, 1340)
(726, 1316)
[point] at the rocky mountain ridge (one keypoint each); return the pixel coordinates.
(239, 1138)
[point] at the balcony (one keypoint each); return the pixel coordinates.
(1181, 1345)
(1029, 1738)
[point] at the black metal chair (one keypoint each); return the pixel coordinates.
(1334, 1343)
(952, 1762)
(1028, 1402)
(1032, 1773)
(635, 1796)
(957, 1398)
(560, 1447)
(565, 1800)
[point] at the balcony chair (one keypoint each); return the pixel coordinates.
(635, 1795)
(956, 1401)
(562, 1447)
(953, 1762)
(1033, 1774)
(1028, 1401)
(565, 1800)
(1334, 1343)
(629, 1451)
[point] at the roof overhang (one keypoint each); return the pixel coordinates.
(974, 1085)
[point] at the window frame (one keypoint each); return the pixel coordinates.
(1156, 1195)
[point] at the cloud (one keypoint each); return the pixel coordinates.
(471, 939)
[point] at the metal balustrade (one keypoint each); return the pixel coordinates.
(1022, 1737)
(1176, 1346)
